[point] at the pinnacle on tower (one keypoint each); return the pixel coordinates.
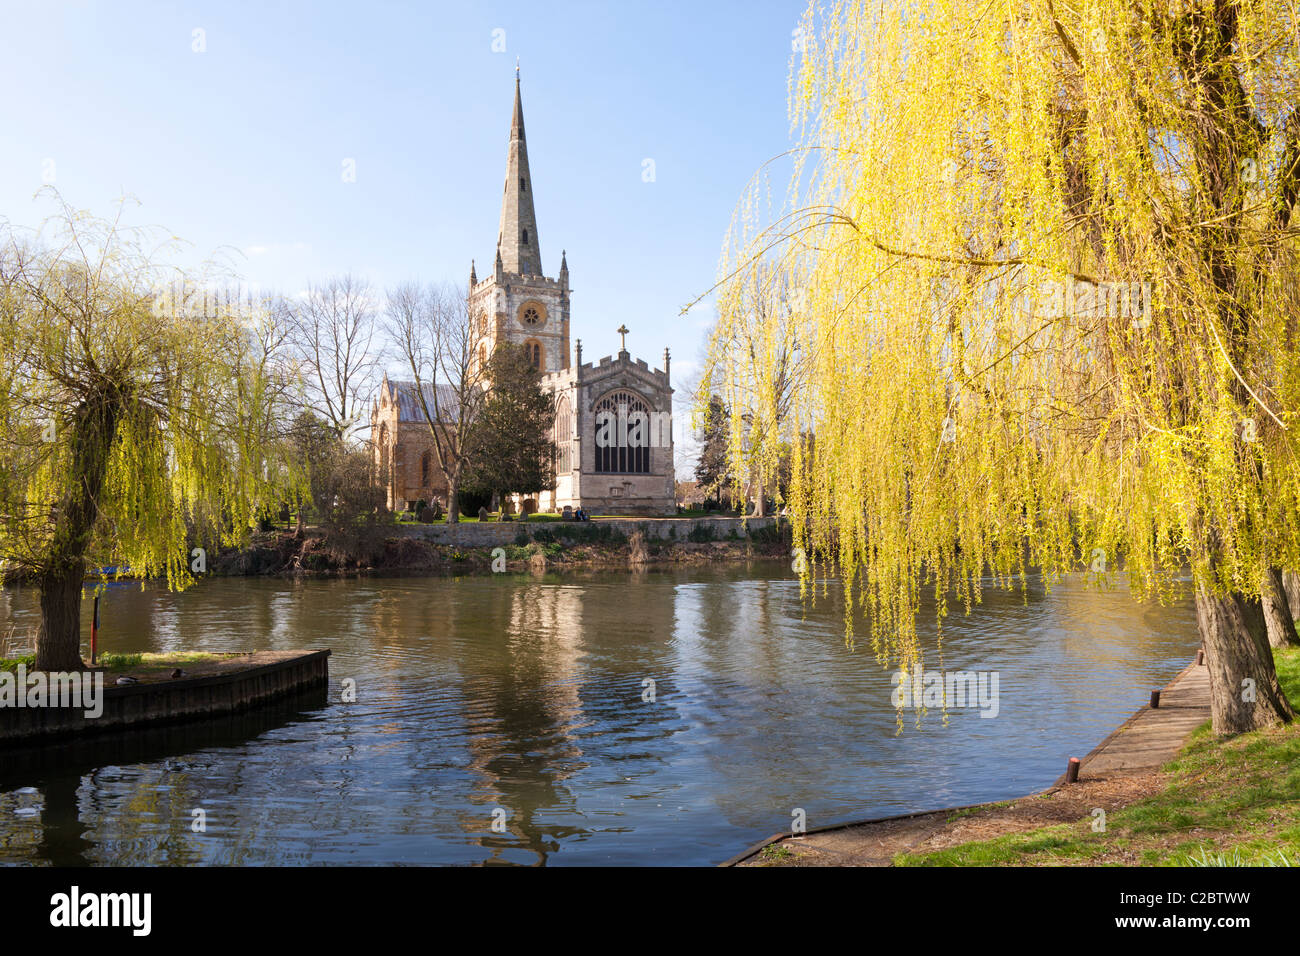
(517, 241)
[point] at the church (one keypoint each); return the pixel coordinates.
(612, 424)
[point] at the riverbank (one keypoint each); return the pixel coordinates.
(1169, 792)
(129, 691)
(606, 544)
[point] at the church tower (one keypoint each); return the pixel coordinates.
(516, 303)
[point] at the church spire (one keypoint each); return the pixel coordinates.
(517, 241)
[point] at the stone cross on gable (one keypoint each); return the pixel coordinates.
(622, 330)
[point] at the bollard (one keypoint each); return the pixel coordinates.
(94, 632)
(1072, 771)
(1155, 698)
(1200, 657)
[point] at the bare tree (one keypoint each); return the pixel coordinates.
(430, 326)
(333, 334)
(757, 363)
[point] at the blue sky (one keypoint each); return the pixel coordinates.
(242, 146)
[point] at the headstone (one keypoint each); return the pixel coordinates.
(567, 513)
(483, 513)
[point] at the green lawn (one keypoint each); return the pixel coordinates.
(1233, 802)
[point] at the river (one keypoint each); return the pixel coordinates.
(665, 717)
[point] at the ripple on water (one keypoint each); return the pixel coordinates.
(666, 717)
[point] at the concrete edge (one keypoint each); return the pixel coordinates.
(1087, 758)
(210, 680)
(158, 701)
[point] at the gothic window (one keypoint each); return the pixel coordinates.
(482, 322)
(525, 237)
(482, 355)
(562, 435)
(622, 438)
(531, 316)
(426, 467)
(523, 186)
(534, 351)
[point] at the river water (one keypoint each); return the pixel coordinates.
(509, 719)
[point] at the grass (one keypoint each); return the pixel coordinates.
(405, 517)
(775, 853)
(958, 814)
(1231, 802)
(11, 663)
(116, 662)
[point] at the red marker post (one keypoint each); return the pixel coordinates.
(94, 632)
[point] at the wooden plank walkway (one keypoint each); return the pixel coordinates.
(1151, 738)
(1143, 743)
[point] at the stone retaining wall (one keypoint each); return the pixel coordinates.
(498, 534)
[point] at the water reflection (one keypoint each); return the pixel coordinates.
(525, 694)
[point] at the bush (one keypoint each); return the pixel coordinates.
(701, 533)
(777, 533)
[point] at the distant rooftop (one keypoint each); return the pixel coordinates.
(408, 404)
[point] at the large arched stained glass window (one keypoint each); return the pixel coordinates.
(562, 435)
(622, 438)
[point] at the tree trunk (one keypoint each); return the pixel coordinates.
(760, 502)
(1244, 690)
(1291, 585)
(58, 642)
(1277, 611)
(63, 568)
(453, 499)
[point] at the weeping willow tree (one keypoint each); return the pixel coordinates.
(756, 367)
(138, 417)
(1046, 262)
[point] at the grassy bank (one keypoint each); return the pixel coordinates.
(141, 667)
(1233, 802)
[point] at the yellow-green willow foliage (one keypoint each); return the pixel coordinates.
(1046, 272)
(138, 416)
(755, 366)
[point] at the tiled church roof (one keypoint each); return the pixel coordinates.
(408, 406)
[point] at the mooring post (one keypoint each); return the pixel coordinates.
(1072, 771)
(1155, 698)
(1200, 657)
(94, 632)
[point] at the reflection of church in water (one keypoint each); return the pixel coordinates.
(612, 424)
